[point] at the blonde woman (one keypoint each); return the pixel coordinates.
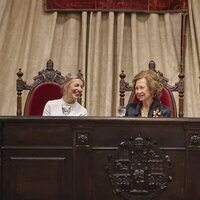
(67, 105)
(148, 89)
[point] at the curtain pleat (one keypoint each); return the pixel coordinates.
(192, 62)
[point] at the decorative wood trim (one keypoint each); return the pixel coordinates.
(138, 169)
(194, 139)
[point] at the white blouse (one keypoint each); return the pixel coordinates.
(59, 107)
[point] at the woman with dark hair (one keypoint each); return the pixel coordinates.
(67, 105)
(148, 89)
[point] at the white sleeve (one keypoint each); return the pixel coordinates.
(84, 113)
(47, 110)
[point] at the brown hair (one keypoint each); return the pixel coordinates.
(154, 82)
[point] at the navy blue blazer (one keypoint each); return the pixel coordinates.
(156, 110)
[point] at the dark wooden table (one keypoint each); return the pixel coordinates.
(99, 158)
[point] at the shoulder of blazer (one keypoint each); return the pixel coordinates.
(133, 109)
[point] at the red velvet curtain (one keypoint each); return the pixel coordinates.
(117, 5)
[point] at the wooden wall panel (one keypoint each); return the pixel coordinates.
(37, 174)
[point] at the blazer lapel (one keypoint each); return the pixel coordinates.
(137, 109)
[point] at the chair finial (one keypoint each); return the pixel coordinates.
(50, 65)
(20, 73)
(79, 74)
(122, 75)
(152, 65)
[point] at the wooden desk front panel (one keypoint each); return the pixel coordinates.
(37, 160)
(104, 143)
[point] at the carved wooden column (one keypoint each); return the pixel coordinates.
(124, 86)
(20, 86)
(192, 167)
(82, 154)
(182, 63)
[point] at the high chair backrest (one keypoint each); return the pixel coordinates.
(47, 85)
(167, 97)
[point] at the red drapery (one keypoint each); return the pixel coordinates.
(117, 5)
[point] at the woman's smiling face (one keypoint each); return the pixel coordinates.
(142, 90)
(74, 89)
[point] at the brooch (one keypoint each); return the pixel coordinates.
(156, 113)
(66, 109)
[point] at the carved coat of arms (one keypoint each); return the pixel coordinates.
(139, 169)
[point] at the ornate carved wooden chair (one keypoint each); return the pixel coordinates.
(167, 97)
(47, 85)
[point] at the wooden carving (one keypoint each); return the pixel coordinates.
(46, 75)
(139, 169)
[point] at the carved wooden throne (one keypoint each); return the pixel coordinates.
(167, 97)
(47, 85)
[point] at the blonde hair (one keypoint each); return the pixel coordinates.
(70, 77)
(154, 82)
